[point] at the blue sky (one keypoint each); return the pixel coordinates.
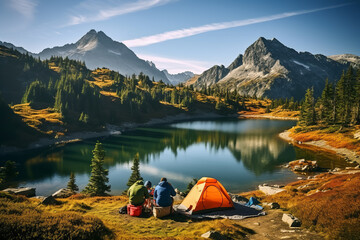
(185, 34)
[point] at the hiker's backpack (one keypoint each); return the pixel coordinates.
(134, 210)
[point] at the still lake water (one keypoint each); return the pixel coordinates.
(241, 154)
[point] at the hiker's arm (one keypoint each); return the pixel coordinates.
(146, 193)
(155, 193)
(172, 191)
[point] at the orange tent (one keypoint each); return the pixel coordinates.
(207, 195)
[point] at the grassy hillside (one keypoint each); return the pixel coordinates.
(59, 96)
(13, 129)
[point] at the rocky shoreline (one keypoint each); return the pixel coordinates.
(267, 117)
(110, 130)
(343, 152)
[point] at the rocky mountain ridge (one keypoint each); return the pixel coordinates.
(179, 77)
(96, 49)
(270, 69)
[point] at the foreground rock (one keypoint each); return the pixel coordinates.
(270, 190)
(63, 193)
(26, 191)
(291, 220)
(303, 165)
(214, 235)
(237, 198)
(50, 200)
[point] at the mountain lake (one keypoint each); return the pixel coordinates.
(241, 154)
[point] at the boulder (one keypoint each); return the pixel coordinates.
(63, 193)
(237, 198)
(357, 134)
(39, 197)
(270, 190)
(274, 205)
(291, 220)
(26, 191)
(297, 168)
(178, 197)
(214, 235)
(50, 200)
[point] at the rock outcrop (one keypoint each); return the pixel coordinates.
(25, 191)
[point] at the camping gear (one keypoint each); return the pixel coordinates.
(123, 210)
(160, 212)
(207, 195)
(253, 202)
(237, 213)
(133, 210)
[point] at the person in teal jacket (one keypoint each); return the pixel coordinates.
(138, 193)
(163, 192)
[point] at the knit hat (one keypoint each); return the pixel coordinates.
(148, 184)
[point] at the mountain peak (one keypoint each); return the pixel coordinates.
(93, 38)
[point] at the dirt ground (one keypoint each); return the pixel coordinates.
(271, 227)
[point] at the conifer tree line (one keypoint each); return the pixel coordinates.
(231, 98)
(339, 103)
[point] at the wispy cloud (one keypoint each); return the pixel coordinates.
(182, 33)
(177, 65)
(108, 10)
(24, 7)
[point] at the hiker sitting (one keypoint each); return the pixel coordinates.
(148, 203)
(138, 193)
(163, 192)
(148, 185)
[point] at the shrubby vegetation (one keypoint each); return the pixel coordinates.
(22, 219)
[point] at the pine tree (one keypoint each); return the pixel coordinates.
(307, 113)
(326, 103)
(98, 179)
(135, 174)
(7, 173)
(71, 184)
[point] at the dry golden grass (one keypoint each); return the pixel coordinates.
(21, 218)
(329, 203)
(53, 67)
(7, 54)
(335, 139)
(105, 210)
(192, 80)
(284, 113)
(109, 94)
(38, 118)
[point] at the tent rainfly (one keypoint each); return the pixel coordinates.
(207, 195)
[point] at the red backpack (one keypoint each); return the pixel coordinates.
(134, 211)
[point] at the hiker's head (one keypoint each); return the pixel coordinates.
(163, 179)
(147, 184)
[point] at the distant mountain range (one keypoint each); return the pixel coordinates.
(267, 69)
(179, 77)
(270, 69)
(96, 49)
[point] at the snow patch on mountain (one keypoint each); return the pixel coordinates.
(301, 64)
(116, 53)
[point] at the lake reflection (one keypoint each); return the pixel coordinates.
(239, 153)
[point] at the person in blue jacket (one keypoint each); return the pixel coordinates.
(163, 192)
